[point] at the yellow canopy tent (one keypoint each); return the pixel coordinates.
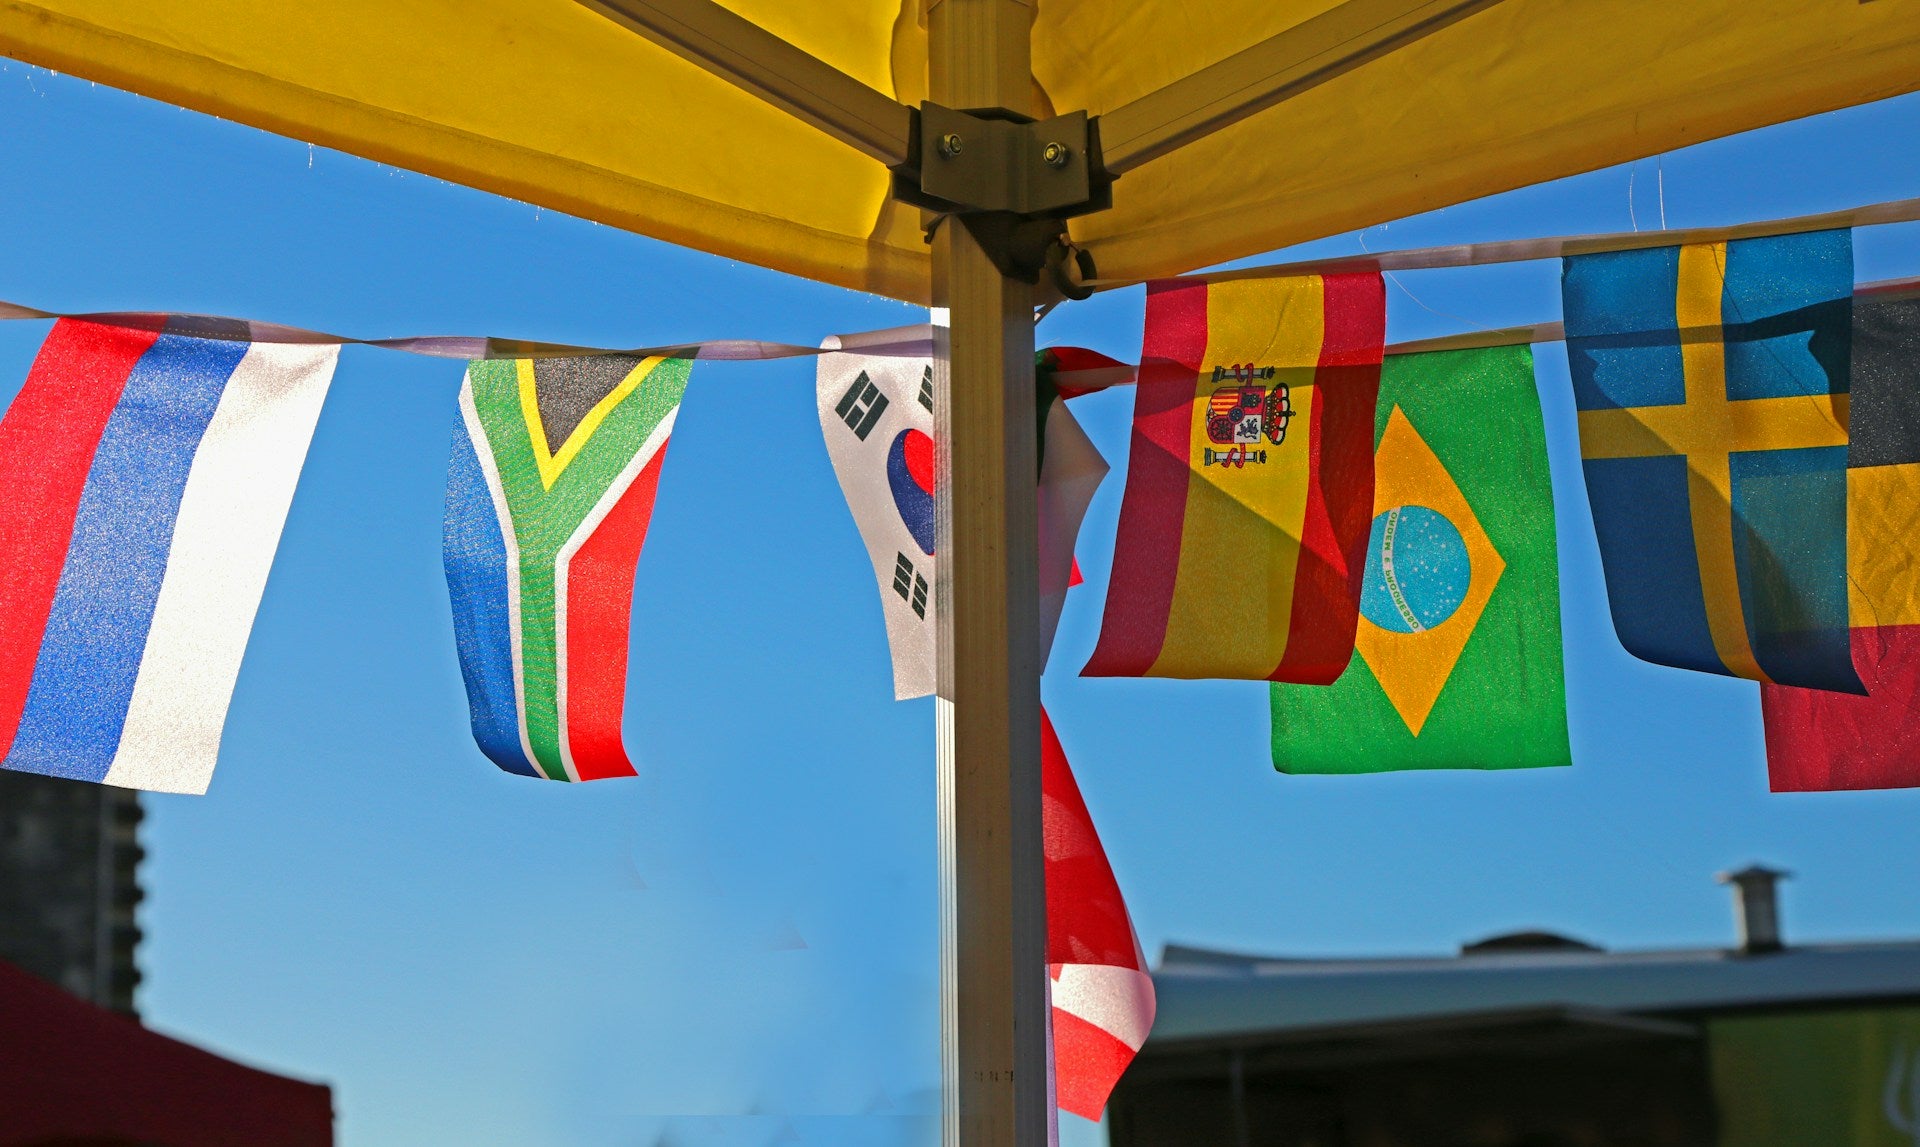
(550, 102)
(807, 137)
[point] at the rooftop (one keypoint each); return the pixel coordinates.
(1206, 995)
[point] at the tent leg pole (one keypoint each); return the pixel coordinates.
(993, 895)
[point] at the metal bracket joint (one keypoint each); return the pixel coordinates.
(1011, 180)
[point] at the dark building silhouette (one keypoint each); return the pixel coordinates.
(1537, 1040)
(69, 885)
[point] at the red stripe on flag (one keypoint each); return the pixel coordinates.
(1153, 508)
(1326, 595)
(1356, 319)
(47, 442)
(1819, 741)
(1072, 363)
(1087, 1063)
(1315, 654)
(1087, 923)
(599, 607)
(1087, 920)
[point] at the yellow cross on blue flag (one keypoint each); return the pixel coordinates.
(1711, 381)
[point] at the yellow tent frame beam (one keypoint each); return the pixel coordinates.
(1276, 69)
(754, 59)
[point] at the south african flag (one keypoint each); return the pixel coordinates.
(549, 492)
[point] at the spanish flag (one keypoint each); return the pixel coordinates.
(1243, 528)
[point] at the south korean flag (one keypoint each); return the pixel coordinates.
(876, 412)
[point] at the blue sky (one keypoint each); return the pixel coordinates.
(740, 944)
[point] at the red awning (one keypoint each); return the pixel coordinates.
(79, 1074)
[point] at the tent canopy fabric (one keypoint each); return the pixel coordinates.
(77, 1073)
(549, 102)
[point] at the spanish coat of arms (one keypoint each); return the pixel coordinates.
(1240, 414)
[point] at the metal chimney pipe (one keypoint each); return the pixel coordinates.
(1756, 906)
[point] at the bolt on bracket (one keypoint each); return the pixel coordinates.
(1011, 180)
(991, 159)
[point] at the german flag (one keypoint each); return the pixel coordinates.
(1819, 740)
(1243, 528)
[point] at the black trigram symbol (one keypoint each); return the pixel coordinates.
(861, 406)
(911, 587)
(926, 390)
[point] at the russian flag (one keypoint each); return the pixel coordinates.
(149, 474)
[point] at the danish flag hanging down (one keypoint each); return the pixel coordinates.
(1102, 996)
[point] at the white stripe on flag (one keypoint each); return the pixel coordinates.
(1053, 1076)
(510, 540)
(1118, 1001)
(1069, 474)
(224, 538)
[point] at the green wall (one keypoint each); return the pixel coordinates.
(1819, 1079)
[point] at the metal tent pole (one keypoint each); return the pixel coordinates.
(992, 891)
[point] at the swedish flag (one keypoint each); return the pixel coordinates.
(1711, 381)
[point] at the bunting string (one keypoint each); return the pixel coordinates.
(913, 341)
(894, 342)
(1528, 250)
(1081, 379)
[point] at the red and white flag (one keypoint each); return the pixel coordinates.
(1101, 993)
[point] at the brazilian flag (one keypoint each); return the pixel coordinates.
(1457, 659)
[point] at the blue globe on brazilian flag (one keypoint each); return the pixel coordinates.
(1418, 570)
(1457, 658)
